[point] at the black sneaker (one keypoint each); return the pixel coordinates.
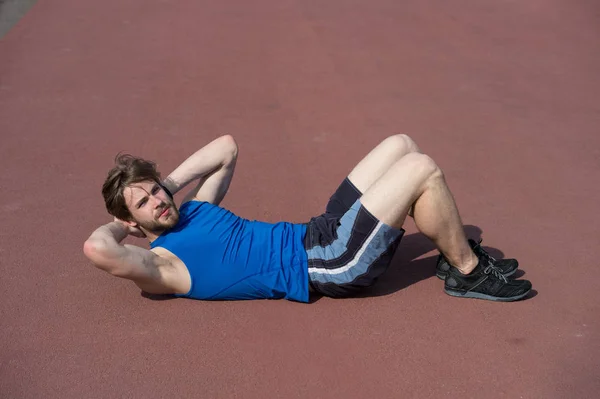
(486, 281)
(508, 267)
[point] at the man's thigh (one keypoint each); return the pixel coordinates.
(391, 197)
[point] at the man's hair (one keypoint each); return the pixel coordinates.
(128, 170)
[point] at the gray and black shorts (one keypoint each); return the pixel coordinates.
(348, 248)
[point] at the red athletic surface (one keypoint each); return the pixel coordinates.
(503, 94)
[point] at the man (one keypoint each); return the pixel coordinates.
(202, 251)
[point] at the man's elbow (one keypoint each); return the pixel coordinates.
(91, 248)
(95, 250)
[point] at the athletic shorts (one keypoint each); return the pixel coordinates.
(348, 248)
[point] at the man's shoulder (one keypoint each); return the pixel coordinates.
(188, 207)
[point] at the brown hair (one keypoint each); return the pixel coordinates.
(128, 170)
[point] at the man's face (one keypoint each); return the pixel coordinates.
(151, 207)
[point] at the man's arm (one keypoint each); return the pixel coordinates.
(104, 248)
(213, 165)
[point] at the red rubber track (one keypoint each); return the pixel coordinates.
(504, 95)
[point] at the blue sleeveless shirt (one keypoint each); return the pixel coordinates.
(229, 257)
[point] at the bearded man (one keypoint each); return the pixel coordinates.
(202, 251)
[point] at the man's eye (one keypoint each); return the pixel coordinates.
(155, 190)
(142, 203)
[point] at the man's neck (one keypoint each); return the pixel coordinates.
(153, 235)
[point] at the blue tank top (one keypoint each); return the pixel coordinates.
(229, 257)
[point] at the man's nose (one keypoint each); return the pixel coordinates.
(157, 202)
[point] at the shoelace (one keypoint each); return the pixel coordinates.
(495, 271)
(483, 252)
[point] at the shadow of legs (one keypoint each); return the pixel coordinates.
(405, 269)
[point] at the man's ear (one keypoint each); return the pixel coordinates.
(131, 223)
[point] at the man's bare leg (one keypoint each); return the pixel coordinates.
(380, 160)
(415, 180)
(395, 180)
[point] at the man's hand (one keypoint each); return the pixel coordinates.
(131, 230)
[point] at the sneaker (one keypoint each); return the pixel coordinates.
(508, 267)
(486, 281)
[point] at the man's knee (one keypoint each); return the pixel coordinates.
(401, 144)
(422, 164)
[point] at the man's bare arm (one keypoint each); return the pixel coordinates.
(213, 165)
(105, 250)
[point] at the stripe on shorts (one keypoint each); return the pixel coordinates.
(336, 264)
(338, 246)
(353, 262)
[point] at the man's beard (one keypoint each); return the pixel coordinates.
(157, 226)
